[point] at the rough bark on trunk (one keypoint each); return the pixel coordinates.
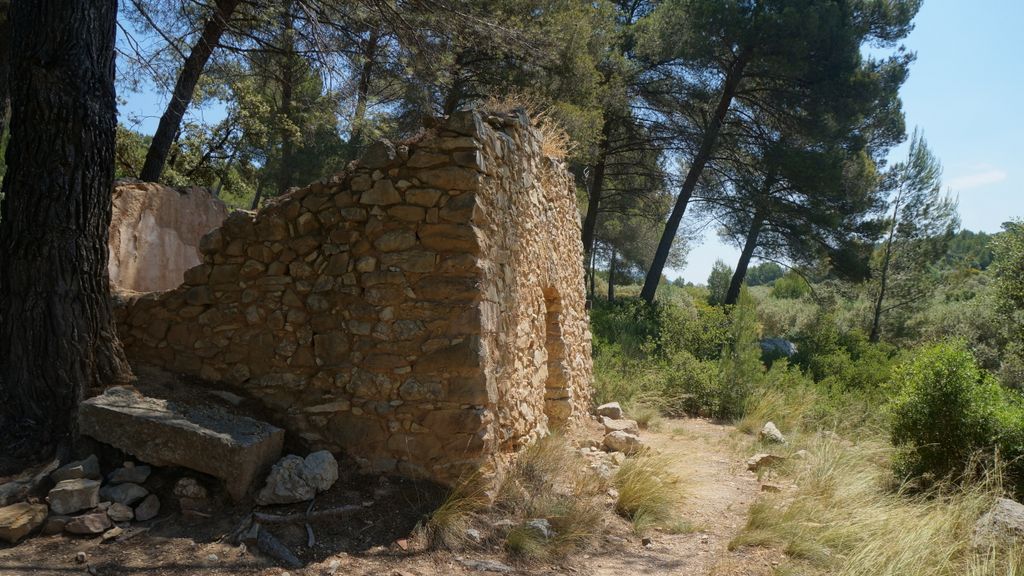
(748, 251)
(355, 141)
(57, 333)
(596, 188)
(707, 147)
(184, 90)
(259, 195)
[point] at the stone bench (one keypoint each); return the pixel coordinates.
(202, 437)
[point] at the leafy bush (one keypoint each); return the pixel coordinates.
(718, 282)
(740, 368)
(661, 330)
(790, 287)
(691, 386)
(948, 413)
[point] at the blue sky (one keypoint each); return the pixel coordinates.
(961, 93)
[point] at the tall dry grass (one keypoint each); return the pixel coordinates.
(847, 517)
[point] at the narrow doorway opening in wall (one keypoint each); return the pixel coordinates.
(557, 400)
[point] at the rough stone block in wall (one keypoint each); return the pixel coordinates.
(423, 311)
(155, 232)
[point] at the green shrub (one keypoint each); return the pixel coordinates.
(740, 369)
(718, 282)
(691, 386)
(790, 287)
(949, 415)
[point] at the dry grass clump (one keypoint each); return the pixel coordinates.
(647, 414)
(551, 481)
(448, 524)
(846, 518)
(549, 484)
(555, 140)
(649, 493)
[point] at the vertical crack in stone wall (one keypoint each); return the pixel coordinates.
(423, 311)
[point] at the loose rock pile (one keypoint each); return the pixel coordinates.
(81, 502)
(621, 435)
(621, 439)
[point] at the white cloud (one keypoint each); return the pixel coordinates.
(978, 179)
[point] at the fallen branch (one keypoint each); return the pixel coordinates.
(303, 517)
(271, 546)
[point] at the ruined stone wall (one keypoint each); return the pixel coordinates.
(155, 232)
(423, 311)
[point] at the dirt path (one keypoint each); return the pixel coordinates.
(719, 491)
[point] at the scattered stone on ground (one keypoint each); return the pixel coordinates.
(542, 527)
(485, 565)
(133, 474)
(91, 523)
(16, 488)
(628, 426)
(610, 410)
(759, 461)
(87, 468)
(296, 479)
(81, 557)
(1003, 524)
(55, 524)
(770, 433)
(112, 533)
(70, 496)
(205, 438)
(148, 508)
(622, 442)
(126, 493)
(18, 520)
(771, 488)
(120, 513)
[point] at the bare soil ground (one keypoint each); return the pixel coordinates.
(382, 539)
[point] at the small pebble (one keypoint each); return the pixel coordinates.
(81, 557)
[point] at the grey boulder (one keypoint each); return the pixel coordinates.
(126, 493)
(87, 468)
(70, 496)
(296, 479)
(92, 523)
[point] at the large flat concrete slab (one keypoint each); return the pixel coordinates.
(205, 438)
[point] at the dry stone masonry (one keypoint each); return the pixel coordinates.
(155, 232)
(423, 311)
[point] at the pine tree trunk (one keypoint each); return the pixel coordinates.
(57, 335)
(259, 195)
(596, 188)
(184, 90)
(876, 317)
(611, 277)
(355, 141)
(707, 147)
(748, 251)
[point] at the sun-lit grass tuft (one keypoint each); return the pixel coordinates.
(649, 493)
(846, 517)
(448, 524)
